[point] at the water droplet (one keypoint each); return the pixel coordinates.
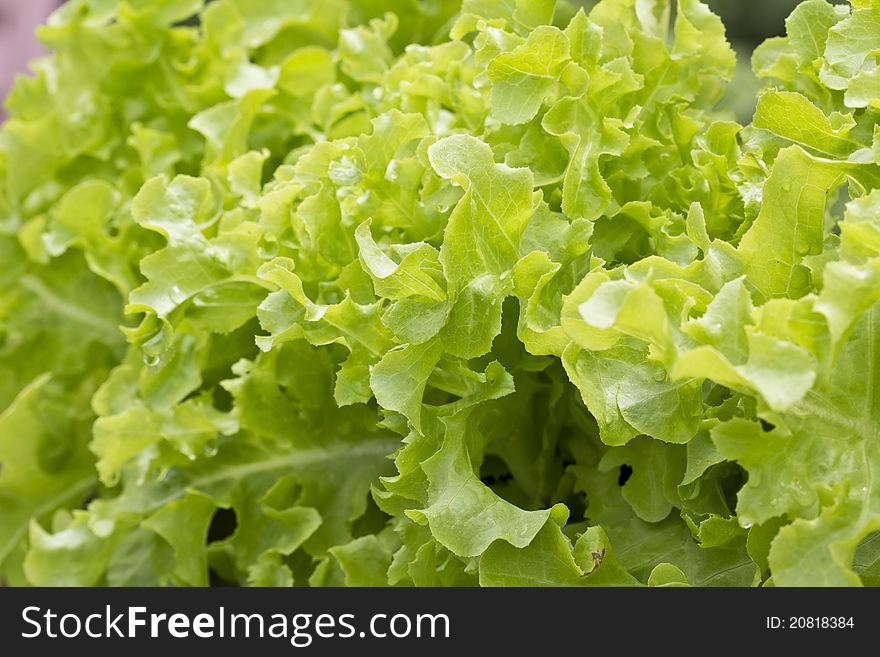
(391, 171)
(802, 245)
(442, 208)
(152, 360)
(177, 295)
(344, 172)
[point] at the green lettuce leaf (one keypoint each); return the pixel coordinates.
(453, 293)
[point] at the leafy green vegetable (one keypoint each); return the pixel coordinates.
(439, 294)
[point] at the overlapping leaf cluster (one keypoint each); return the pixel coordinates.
(439, 293)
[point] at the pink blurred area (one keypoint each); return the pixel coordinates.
(18, 45)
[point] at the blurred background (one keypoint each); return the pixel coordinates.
(748, 22)
(18, 19)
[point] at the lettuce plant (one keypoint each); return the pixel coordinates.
(439, 293)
